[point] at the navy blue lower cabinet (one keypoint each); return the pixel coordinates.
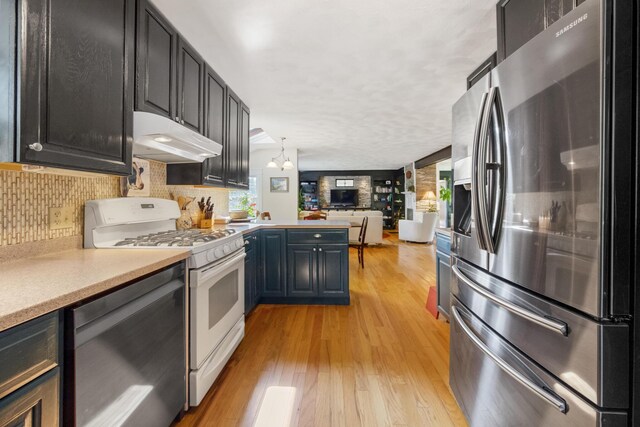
(333, 270)
(443, 272)
(302, 280)
(297, 266)
(30, 360)
(249, 280)
(274, 257)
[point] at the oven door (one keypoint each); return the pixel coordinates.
(217, 303)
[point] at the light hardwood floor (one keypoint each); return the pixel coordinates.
(381, 361)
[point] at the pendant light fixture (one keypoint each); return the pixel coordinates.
(281, 161)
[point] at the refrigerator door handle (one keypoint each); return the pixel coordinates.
(482, 216)
(475, 183)
(551, 324)
(542, 391)
(498, 166)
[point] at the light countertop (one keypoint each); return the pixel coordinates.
(257, 225)
(36, 285)
(33, 286)
(443, 230)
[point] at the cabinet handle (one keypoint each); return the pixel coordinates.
(181, 122)
(314, 249)
(177, 119)
(317, 236)
(36, 146)
(320, 249)
(246, 243)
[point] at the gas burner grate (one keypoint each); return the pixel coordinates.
(178, 238)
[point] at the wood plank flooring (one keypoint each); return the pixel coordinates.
(382, 361)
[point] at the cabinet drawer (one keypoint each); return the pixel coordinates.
(318, 235)
(443, 243)
(27, 351)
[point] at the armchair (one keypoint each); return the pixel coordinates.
(421, 229)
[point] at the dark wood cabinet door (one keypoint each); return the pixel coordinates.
(214, 124)
(244, 147)
(521, 20)
(232, 158)
(156, 57)
(191, 71)
(302, 270)
(34, 404)
(273, 250)
(333, 270)
(77, 84)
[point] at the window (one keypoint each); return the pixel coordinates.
(245, 199)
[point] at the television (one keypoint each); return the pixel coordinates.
(344, 197)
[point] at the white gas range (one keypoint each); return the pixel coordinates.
(215, 274)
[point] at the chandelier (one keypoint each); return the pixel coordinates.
(281, 161)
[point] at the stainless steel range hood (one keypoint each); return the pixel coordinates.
(161, 139)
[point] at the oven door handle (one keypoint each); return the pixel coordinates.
(543, 391)
(549, 323)
(206, 273)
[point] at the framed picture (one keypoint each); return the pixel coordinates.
(279, 184)
(344, 183)
(138, 184)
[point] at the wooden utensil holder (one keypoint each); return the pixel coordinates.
(206, 223)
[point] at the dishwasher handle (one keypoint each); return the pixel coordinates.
(101, 306)
(89, 331)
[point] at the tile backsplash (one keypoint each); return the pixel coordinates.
(25, 199)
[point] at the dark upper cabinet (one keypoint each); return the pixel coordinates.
(273, 258)
(302, 270)
(75, 86)
(521, 20)
(214, 124)
(156, 57)
(174, 81)
(232, 158)
(243, 179)
(191, 71)
(333, 270)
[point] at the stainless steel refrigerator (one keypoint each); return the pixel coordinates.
(540, 327)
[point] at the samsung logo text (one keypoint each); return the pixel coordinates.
(571, 25)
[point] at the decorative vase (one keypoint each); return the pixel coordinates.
(184, 222)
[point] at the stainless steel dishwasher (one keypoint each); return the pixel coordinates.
(126, 356)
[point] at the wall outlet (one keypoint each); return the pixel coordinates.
(60, 218)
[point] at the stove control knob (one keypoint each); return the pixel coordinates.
(219, 253)
(211, 256)
(239, 244)
(227, 249)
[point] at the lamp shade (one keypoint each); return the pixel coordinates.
(272, 164)
(288, 164)
(431, 195)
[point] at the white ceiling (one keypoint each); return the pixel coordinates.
(353, 84)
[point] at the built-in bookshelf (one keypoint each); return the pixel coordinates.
(398, 198)
(382, 200)
(309, 195)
